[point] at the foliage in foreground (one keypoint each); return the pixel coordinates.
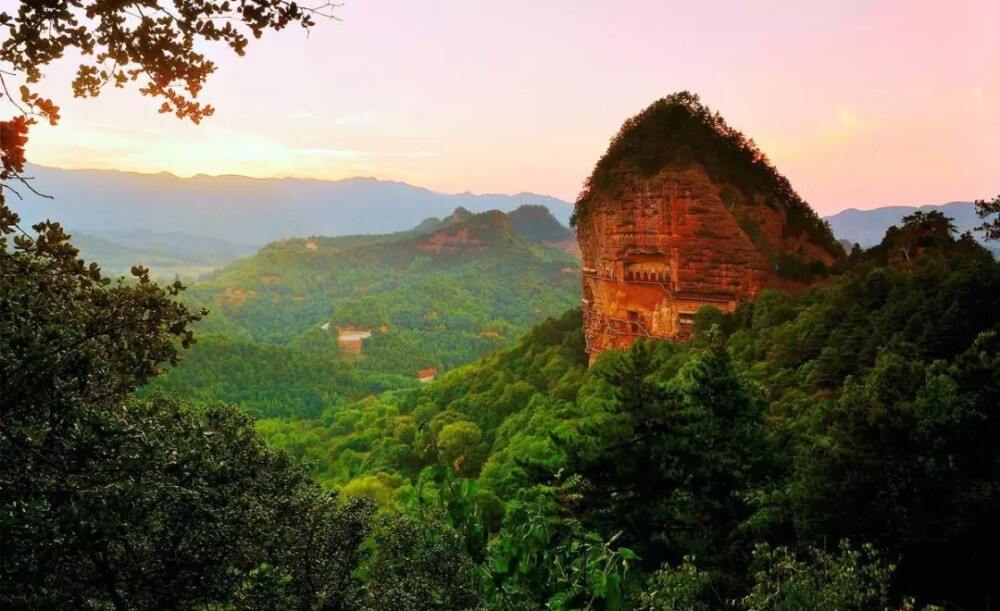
(109, 501)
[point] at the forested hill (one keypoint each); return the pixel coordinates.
(831, 450)
(472, 271)
(442, 295)
(835, 449)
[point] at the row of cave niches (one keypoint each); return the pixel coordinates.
(650, 277)
(712, 281)
(646, 277)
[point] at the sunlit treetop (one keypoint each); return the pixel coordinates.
(147, 42)
(679, 130)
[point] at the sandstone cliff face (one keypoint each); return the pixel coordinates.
(683, 211)
(657, 251)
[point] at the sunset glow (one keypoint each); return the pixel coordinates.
(860, 103)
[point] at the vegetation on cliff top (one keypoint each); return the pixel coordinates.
(677, 131)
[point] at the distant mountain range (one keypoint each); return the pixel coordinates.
(246, 210)
(867, 227)
(207, 221)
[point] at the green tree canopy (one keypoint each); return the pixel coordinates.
(987, 209)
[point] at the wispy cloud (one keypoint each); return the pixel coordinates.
(367, 117)
(850, 119)
(338, 153)
(212, 149)
(303, 114)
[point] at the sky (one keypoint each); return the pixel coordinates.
(860, 103)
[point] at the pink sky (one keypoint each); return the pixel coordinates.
(861, 103)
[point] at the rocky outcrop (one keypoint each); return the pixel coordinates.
(684, 212)
(657, 252)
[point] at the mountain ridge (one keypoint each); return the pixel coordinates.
(393, 215)
(867, 227)
(246, 209)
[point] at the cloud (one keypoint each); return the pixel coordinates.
(367, 117)
(338, 153)
(977, 94)
(848, 118)
(210, 149)
(303, 114)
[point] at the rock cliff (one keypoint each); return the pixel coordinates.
(683, 212)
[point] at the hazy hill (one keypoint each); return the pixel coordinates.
(247, 210)
(537, 225)
(164, 253)
(867, 227)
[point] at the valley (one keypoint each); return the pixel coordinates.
(337, 319)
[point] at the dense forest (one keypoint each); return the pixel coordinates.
(441, 295)
(835, 449)
(863, 412)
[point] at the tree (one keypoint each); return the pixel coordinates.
(920, 235)
(418, 563)
(684, 588)
(461, 446)
(985, 209)
(933, 222)
(71, 340)
(152, 42)
(852, 579)
(671, 476)
(922, 230)
(107, 501)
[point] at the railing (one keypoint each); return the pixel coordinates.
(663, 285)
(632, 328)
